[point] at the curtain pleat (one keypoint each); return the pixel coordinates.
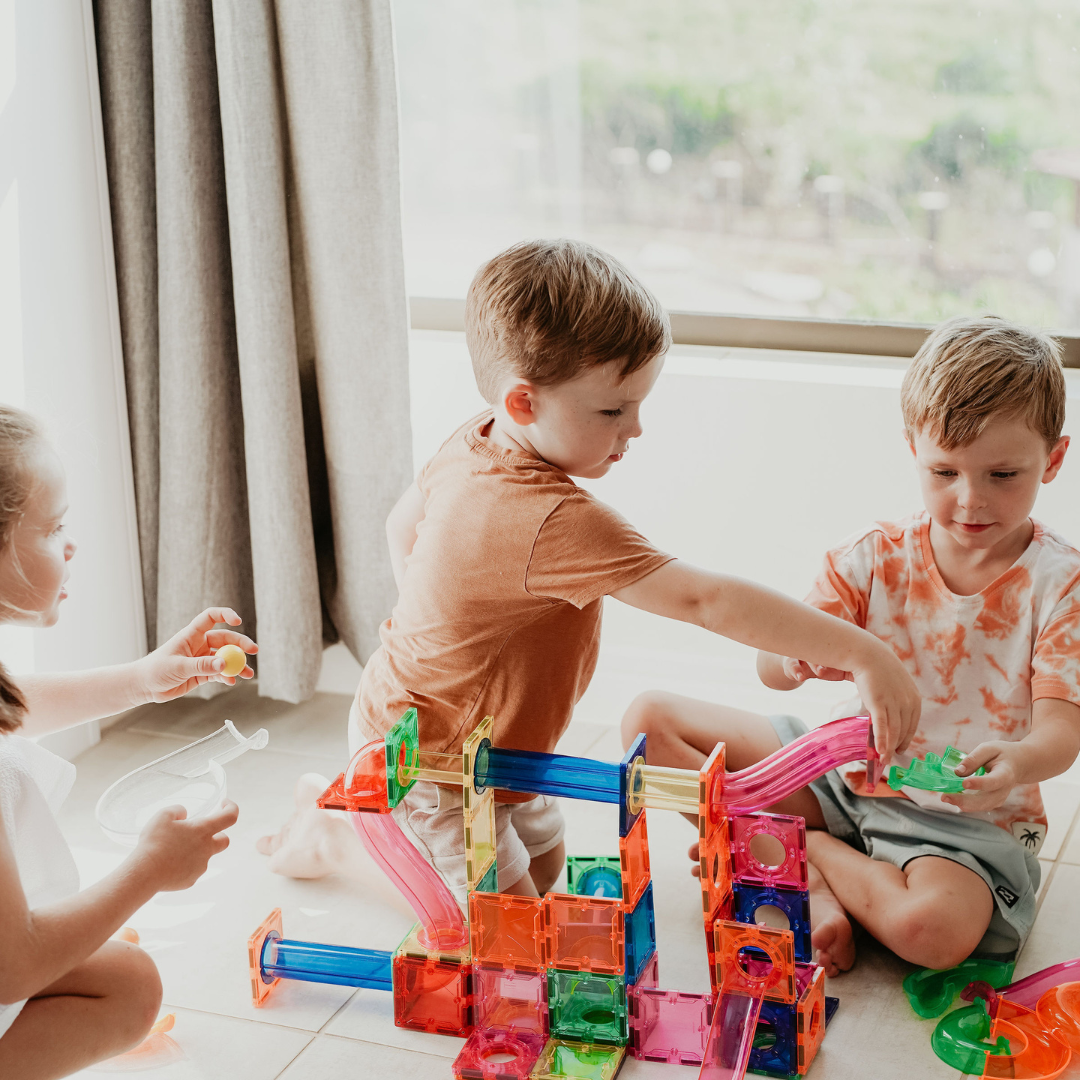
(279, 506)
(253, 170)
(204, 550)
(126, 69)
(341, 97)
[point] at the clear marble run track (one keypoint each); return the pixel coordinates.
(568, 985)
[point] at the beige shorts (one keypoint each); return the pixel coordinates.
(431, 817)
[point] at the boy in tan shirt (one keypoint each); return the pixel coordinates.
(502, 562)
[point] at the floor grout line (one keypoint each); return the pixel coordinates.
(330, 1019)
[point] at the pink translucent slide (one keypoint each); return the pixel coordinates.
(731, 1037)
(795, 765)
(1027, 991)
(442, 925)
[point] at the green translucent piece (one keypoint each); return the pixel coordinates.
(932, 992)
(583, 1062)
(932, 773)
(403, 733)
(586, 1007)
(490, 881)
(960, 1039)
(599, 875)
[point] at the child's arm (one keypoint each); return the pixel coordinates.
(1047, 750)
(787, 673)
(59, 699)
(42, 945)
(764, 619)
(401, 525)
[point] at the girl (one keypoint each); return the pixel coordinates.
(69, 996)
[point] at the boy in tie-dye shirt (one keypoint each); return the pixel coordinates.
(982, 604)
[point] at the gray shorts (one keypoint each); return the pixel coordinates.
(432, 817)
(897, 831)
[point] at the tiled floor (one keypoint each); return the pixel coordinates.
(307, 1031)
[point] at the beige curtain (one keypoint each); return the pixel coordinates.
(253, 174)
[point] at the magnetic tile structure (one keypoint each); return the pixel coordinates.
(568, 985)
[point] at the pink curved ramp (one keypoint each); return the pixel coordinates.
(794, 766)
(1027, 991)
(442, 925)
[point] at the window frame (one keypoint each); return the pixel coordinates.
(752, 332)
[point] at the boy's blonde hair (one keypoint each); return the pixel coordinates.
(547, 310)
(972, 369)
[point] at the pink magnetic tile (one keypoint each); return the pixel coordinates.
(749, 863)
(508, 1000)
(650, 974)
(498, 1055)
(669, 1026)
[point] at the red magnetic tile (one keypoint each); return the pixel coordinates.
(432, 996)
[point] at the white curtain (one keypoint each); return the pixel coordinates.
(252, 153)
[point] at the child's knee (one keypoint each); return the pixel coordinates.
(648, 713)
(136, 984)
(933, 937)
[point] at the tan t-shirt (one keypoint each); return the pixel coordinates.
(500, 607)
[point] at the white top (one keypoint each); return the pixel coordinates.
(33, 784)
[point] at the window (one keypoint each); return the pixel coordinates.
(840, 159)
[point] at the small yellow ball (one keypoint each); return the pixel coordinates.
(235, 659)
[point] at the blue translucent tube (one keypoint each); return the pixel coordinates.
(548, 774)
(307, 961)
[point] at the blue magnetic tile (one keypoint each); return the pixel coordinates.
(637, 750)
(795, 905)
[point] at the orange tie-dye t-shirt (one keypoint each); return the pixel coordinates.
(979, 661)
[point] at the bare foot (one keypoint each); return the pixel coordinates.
(831, 935)
(314, 843)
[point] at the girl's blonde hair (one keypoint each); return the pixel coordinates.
(18, 433)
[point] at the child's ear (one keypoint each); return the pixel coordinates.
(520, 404)
(1057, 456)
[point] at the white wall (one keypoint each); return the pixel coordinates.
(59, 329)
(751, 463)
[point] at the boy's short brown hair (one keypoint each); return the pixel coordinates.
(972, 369)
(547, 310)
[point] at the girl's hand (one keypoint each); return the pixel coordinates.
(799, 671)
(187, 659)
(175, 851)
(1003, 762)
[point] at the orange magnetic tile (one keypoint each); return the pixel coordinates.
(585, 933)
(712, 776)
(260, 989)
(714, 851)
(507, 930)
(810, 1019)
(634, 862)
(773, 978)
(725, 911)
